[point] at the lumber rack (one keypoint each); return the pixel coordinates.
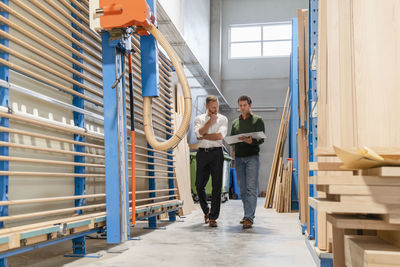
(21, 239)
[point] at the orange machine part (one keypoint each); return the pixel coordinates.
(125, 13)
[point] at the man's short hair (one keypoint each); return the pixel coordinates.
(211, 98)
(245, 98)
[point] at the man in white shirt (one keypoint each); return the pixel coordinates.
(210, 128)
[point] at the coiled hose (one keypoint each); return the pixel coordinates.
(147, 100)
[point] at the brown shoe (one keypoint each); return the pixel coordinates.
(242, 220)
(213, 223)
(247, 224)
(206, 219)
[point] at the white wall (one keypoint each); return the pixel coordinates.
(264, 80)
(192, 18)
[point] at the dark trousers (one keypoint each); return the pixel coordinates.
(210, 162)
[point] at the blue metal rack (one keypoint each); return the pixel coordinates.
(324, 259)
(152, 221)
(112, 50)
(294, 115)
(4, 122)
(312, 101)
(78, 244)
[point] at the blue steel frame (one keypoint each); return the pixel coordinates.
(111, 50)
(149, 64)
(78, 244)
(10, 253)
(294, 115)
(4, 122)
(171, 183)
(312, 98)
(149, 61)
(152, 221)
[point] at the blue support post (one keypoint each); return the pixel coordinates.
(4, 122)
(149, 64)
(78, 244)
(149, 61)
(294, 115)
(312, 100)
(171, 183)
(115, 141)
(152, 185)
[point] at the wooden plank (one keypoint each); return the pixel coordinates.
(383, 151)
(277, 153)
(338, 246)
(277, 181)
(376, 87)
(339, 207)
(367, 250)
(78, 224)
(392, 218)
(381, 199)
(384, 171)
(322, 230)
(303, 173)
(353, 180)
(4, 239)
(325, 166)
(39, 232)
(363, 190)
(351, 221)
(289, 187)
(182, 170)
(301, 66)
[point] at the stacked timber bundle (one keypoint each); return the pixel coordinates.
(277, 163)
(283, 189)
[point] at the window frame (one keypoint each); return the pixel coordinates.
(261, 41)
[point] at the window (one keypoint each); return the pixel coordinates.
(264, 40)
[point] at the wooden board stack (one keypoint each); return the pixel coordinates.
(372, 192)
(283, 188)
(277, 163)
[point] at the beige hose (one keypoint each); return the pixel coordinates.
(147, 120)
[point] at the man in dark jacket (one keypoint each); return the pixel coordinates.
(246, 158)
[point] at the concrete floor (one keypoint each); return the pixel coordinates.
(275, 240)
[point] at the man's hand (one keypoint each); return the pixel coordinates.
(247, 140)
(213, 118)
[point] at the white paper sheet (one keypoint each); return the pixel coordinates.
(235, 138)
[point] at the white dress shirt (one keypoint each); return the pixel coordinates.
(219, 126)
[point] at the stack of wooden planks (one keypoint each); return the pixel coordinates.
(372, 192)
(283, 189)
(351, 250)
(277, 163)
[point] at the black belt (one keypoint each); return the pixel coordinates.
(210, 149)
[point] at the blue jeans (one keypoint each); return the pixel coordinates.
(247, 175)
